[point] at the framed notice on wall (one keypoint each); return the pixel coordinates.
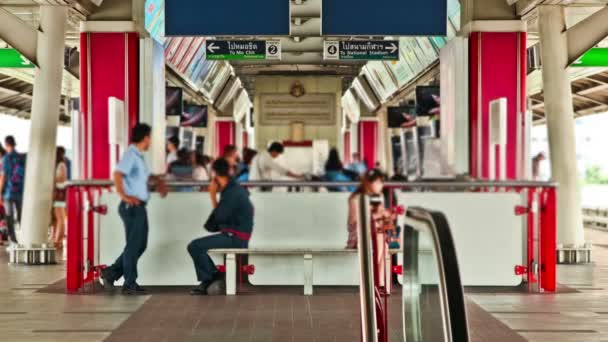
(283, 109)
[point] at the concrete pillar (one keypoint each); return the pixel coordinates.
(560, 123)
(39, 176)
(152, 100)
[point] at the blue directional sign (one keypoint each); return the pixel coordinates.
(384, 18)
(227, 18)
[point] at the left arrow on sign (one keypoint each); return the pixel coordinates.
(212, 48)
(392, 47)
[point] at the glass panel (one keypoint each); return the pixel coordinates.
(422, 300)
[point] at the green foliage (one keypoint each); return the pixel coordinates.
(595, 175)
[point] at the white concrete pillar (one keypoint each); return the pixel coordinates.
(40, 168)
(560, 124)
(152, 100)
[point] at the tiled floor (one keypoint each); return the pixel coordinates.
(27, 314)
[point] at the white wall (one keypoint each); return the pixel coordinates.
(282, 84)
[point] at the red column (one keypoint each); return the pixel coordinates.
(368, 142)
(245, 139)
(109, 67)
(497, 69)
(347, 152)
(225, 132)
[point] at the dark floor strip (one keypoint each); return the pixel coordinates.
(98, 312)
(64, 331)
(590, 288)
(13, 312)
(556, 331)
(524, 312)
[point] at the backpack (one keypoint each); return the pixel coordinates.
(17, 178)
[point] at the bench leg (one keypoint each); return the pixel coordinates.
(308, 274)
(231, 274)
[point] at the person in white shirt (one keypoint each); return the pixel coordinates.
(172, 147)
(200, 172)
(264, 165)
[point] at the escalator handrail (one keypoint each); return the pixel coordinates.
(452, 290)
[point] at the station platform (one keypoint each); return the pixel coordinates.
(34, 307)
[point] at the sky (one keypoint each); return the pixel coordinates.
(20, 129)
(591, 142)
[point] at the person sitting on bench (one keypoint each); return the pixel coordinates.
(232, 219)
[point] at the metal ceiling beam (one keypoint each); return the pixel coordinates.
(589, 99)
(524, 7)
(587, 34)
(306, 8)
(18, 34)
(593, 89)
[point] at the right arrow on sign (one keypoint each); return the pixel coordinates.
(393, 48)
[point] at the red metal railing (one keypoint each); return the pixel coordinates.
(83, 236)
(540, 212)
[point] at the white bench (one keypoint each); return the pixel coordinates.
(307, 254)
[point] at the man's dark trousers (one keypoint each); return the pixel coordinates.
(135, 219)
(205, 268)
(12, 207)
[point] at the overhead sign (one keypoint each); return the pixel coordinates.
(227, 18)
(11, 58)
(231, 50)
(384, 18)
(596, 57)
(375, 50)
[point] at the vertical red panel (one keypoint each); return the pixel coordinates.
(497, 69)
(473, 103)
(245, 139)
(549, 239)
(107, 79)
(84, 102)
(109, 68)
(368, 142)
(133, 79)
(74, 265)
(224, 135)
(347, 152)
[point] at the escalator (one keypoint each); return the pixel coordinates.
(433, 299)
(433, 307)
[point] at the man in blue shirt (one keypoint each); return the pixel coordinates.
(232, 218)
(131, 179)
(357, 165)
(12, 178)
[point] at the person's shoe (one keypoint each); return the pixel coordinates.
(216, 288)
(133, 290)
(140, 289)
(200, 290)
(108, 281)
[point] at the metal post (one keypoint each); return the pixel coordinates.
(39, 177)
(369, 326)
(560, 124)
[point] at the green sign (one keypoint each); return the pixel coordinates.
(243, 50)
(11, 58)
(596, 57)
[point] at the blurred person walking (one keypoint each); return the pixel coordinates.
(59, 199)
(12, 179)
